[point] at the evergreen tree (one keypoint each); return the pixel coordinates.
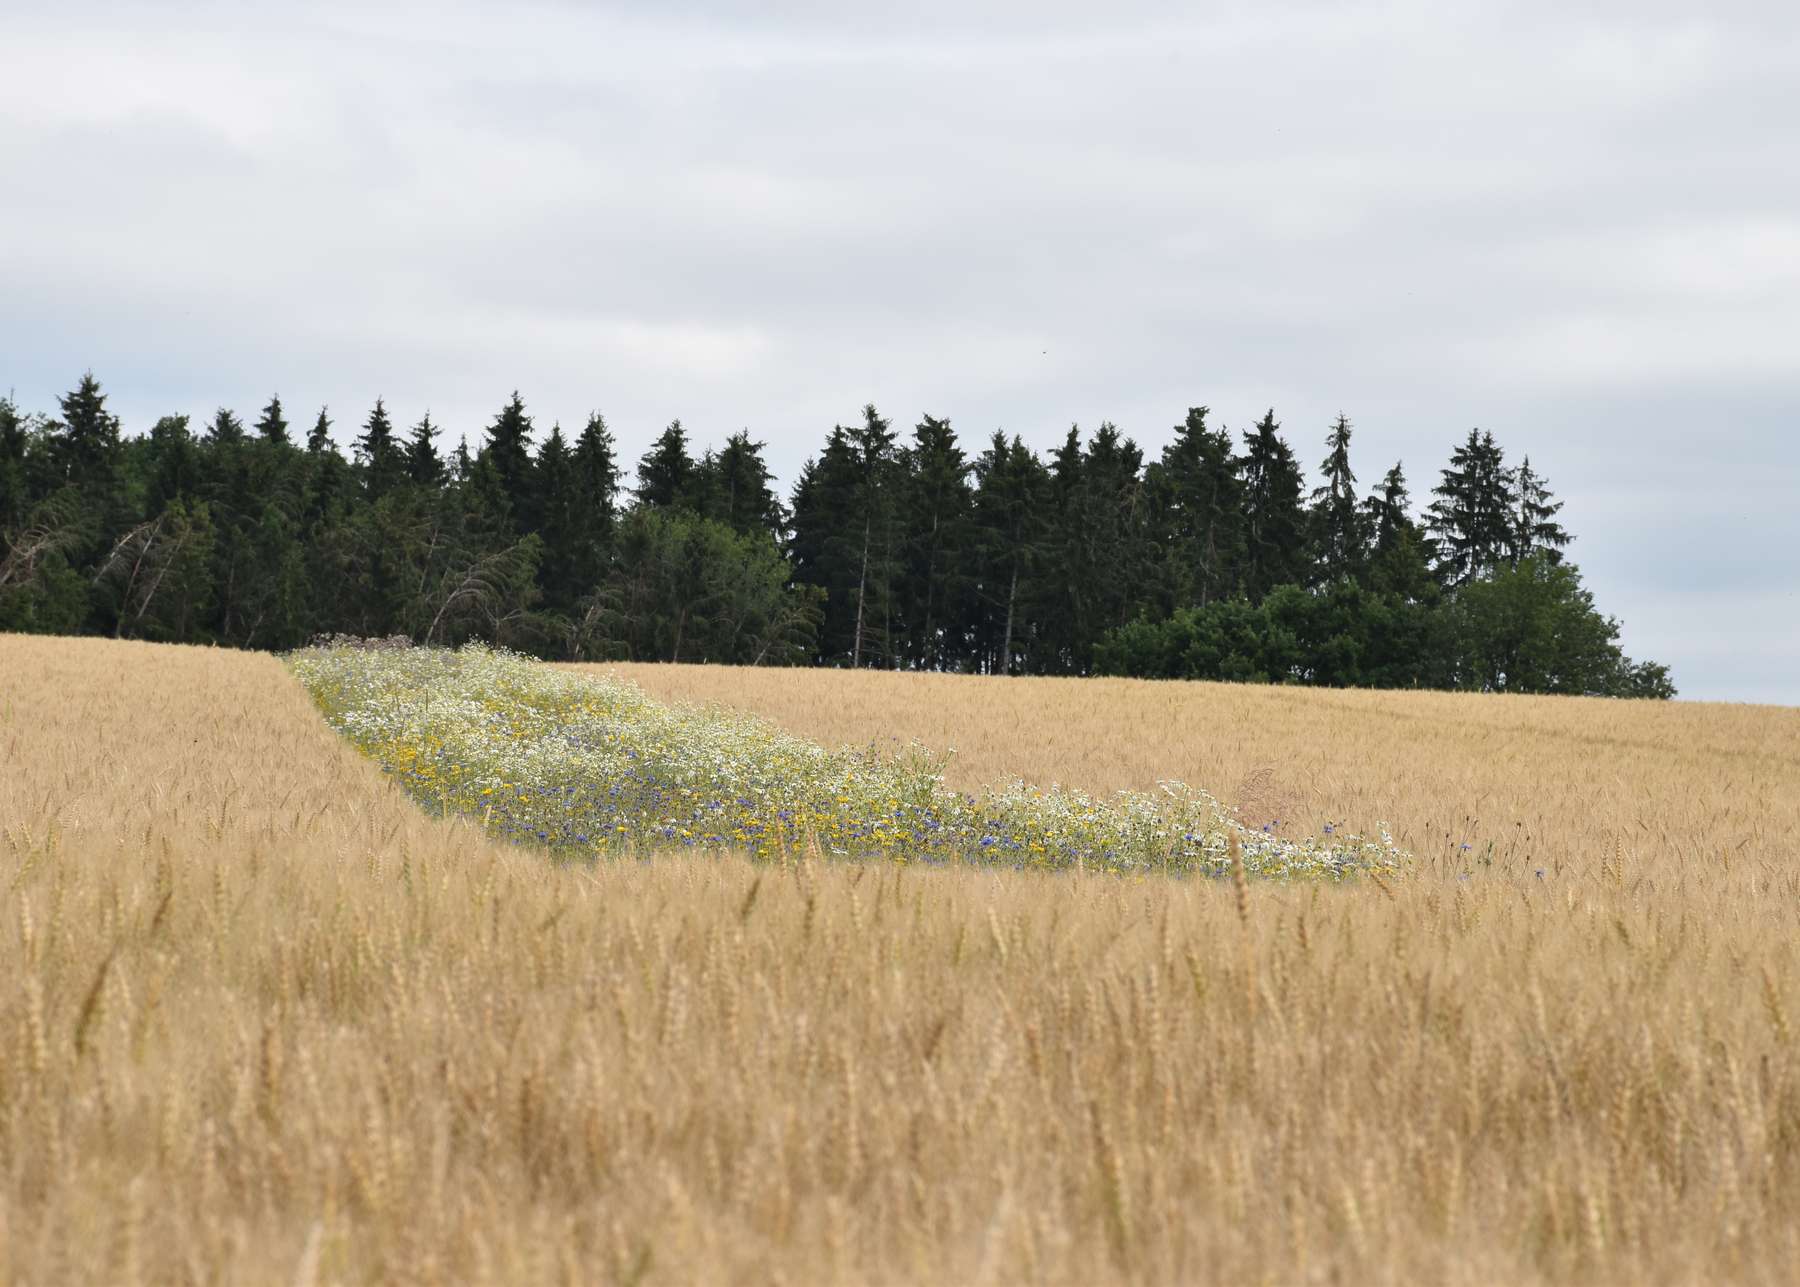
(84, 444)
(423, 465)
(272, 427)
(1200, 507)
(1473, 515)
(935, 580)
(174, 464)
(736, 483)
(1011, 486)
(508, 450)
(597, 480)
(560, 524)
(328, 482)
(873, 446)
(1274, 522)
(1337, 522)
(225, 431)
(1536, 533)
(824, 545)
(1105, 550)
(1399, 554)
(665, 474)
(14, 499)
(319, 439)
(383, 461)
(461, 463)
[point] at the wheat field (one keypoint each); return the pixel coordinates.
(264, 1021)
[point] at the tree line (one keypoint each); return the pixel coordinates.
(893, 549)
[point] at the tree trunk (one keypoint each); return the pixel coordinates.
(862, 578)
(1012, 595)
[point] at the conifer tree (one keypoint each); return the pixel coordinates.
(737, 486)
(14, 499)
(1337, 521)
(271, 427)
(174, 464)
(319, 438)
(560, 523)
(1274, 522)
(380, 454)
(597, 479)
(225, 429)
(1199, 499)
(873, 445)
(85, 442)
(938, 527)
(1010, 490)
(824, 544)
(1473, 515)
(665, 474)
(1535, 529)
(1399, 554)
(423, 465)
(508, 450)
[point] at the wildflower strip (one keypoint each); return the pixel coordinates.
(588, 766)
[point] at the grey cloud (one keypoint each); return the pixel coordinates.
(1575, 229)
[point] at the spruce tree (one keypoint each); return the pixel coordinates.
(423, 464)
(383, 461)
(937, 538)
(271, 427)
(225, 430)
(873, 442)
(1337, 522)
(665, 474)
(320, 436)
(1473, 515)
(508, 450)
(13, 497)
(741, 497)
(84, 444)
(1400, 556)
(1536, 533)
(174, 464)
(558, 506)
(597, 478)
(1200, 513)
(1274, 522)
(1011, 486)
(825, 544)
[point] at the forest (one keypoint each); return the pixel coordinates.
(893, 549)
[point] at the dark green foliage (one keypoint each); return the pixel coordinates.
(271, 427)
(665, 476)
(936, 580)
(1274, 519)
(1338, 524)
(1473, 515)
(424, 467)
(508, 454)
(1201, 564)
(380, 455)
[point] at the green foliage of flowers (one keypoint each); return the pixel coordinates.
(590, 766)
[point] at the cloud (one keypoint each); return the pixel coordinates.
(1577, 229)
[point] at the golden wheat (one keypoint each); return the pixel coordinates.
(271, 1024)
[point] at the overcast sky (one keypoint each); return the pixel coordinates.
(1577, 226)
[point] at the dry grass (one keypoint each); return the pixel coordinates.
(1548, 781)
(272, 1025)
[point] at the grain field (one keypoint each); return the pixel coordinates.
(264, 1021)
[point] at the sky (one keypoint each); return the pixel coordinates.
(1574, 225)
